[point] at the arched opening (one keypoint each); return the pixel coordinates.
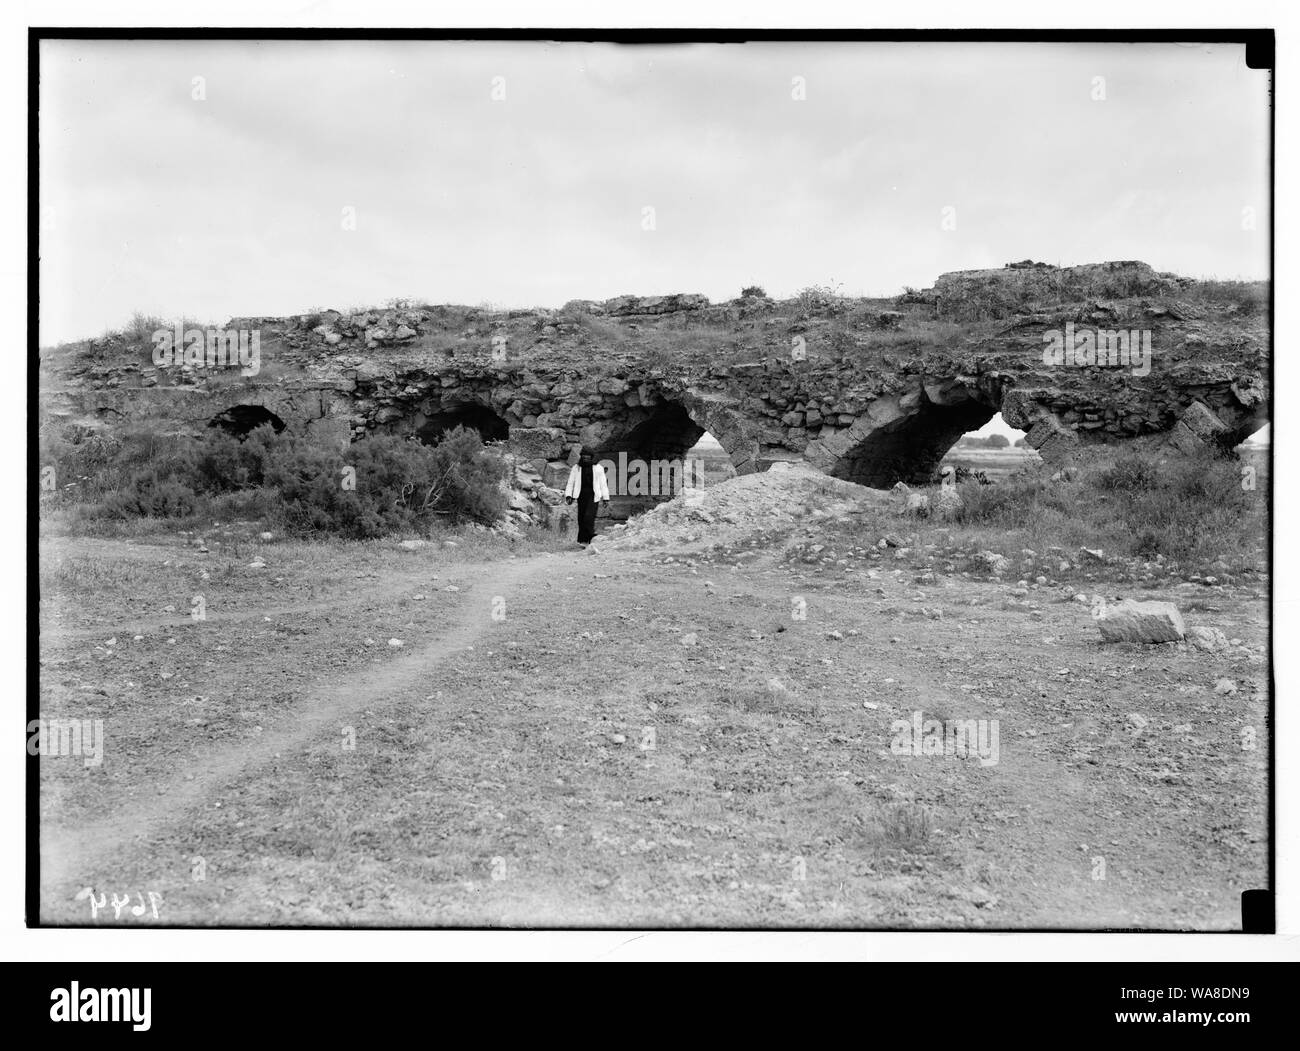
(241, 420)
(1257, 451)
(991, 453)
(1261, 439)
(653, 454)
(714, 462)
(490, 426)
(667, 434)
(909, 449)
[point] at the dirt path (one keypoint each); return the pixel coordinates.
(73, 850)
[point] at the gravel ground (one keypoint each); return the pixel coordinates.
(703, 722)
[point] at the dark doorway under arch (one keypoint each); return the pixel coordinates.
(240, 420)
(668, 433)
(490, 426)
(648, 458)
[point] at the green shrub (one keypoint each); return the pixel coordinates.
(400, 484)
(79, 456)
(141, 327)
(1247, 297)
(309, 481)
(226, 463)
(298, 483)
(147, 495)
(1017, 502)
(1130, 473)
(817, 299)
(473, 473)
(906, 825)
(1192, 510)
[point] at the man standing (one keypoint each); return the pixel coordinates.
(587, 485)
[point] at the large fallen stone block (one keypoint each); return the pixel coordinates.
(1202, 420)
(1147, 622)
(1197, 428)
(1056, 443)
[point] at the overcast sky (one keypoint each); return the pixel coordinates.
(233, 204)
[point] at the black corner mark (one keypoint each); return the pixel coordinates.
(1257, 912)
(1261, 51)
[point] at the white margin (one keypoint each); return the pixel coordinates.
(18, 943)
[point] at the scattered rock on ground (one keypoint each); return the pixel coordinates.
(1209, 639)
(991, 562)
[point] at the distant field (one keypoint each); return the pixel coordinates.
(996, 463)
(999, 463)
(716, 463)
(1257, 456)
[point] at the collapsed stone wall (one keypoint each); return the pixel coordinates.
(880, 394)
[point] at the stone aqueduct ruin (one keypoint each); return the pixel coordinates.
(880, 396)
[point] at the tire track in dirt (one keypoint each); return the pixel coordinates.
(68, 854)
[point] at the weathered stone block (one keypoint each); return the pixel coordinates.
(1197, 428)
(532, 443)
(1055, 442)
(1146, 622)
(837, 443)
(885, 410)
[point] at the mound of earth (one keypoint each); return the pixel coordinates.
(788, 495)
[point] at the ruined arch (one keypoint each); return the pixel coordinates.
(644, 440)
(909, 448)
(430, 427)
(665, 431)
(1246, 427)
(241, 420)
(734, 431)
(903, 437)
(1257, 432)
(652, 422)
